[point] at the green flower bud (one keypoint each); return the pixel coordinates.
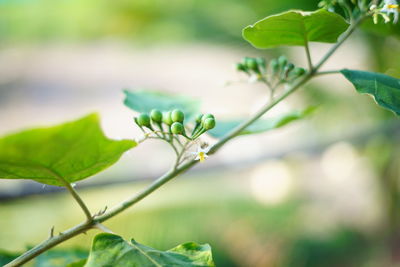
(274, 65)
(208, 123)
(241, 67)
(299, 71)
(143, 120)
(207, 116)
(282, 60)
(251, 64)
(198, 118)
(166, 117)
(177, 128)
(261, 63)
(177, 115)
(156, 115)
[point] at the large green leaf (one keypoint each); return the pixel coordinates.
(385, 89)
(65, 153)
(259, 126)
(296, 28)
(145, 101)
(112, 250)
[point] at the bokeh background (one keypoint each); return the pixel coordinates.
(320, 192)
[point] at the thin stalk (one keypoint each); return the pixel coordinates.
(308, 53)
(327, 72)
(79, 200)
(83, 227)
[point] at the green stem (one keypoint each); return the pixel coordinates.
(327, 72)
(308, 53)
(79, 200)
(81, 228)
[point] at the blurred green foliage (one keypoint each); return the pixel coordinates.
(139, 20)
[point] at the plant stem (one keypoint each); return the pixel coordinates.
(327, 72)
(78, 199)
(308, 53)
(83, 227)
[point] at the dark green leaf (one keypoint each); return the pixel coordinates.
(384, 89)
(296, 28)
(145, 101)
(112, 250)
(6, 257)
(261, 125)
(65, 153)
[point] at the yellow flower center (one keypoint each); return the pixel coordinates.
(393, 6)
(201, 156)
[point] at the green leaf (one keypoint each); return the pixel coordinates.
(145, 101)
(385, 89)
(65, 153)
(261, 125)
(6, 257)
(296, 28)
(61, 258)
(112, 250)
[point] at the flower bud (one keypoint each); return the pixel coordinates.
(299, 71)
(156, 115)
(166, 118)
(274, 65)
(241, 67)
(177, 128)
(282, 60)
(177, 115)
(198, 118)
(208, 123)
(261, 63)
(251, 64)
(143, 120)
(207, 116)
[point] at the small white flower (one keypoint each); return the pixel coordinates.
(391, 7)
(201, 153)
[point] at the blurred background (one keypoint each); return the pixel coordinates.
(320, 192)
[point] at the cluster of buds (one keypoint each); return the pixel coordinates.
(166, 124)
(277, 70)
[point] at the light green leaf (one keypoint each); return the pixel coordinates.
(384, 89)
(145, 101)
(65, 153)
(61, 258)
(261, 125)
(296, 28)
(112, 250)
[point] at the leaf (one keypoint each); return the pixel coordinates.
(261, 125)
(6, 257)
(112, 250)
(145, 101)
(61, 258)
(65, 153)
(385, 89)
(296, 28)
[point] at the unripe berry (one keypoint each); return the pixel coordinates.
(208, 123)
(177, 115)
(143, 120)
(177, 128)
(282, 60)
(156, 115)
(166, 117)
